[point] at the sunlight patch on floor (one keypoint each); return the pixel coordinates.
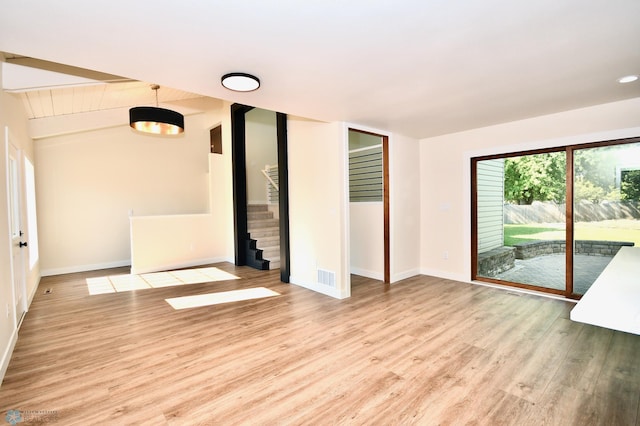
(209, 299)
(129, 282)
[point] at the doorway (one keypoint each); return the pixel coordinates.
(240, 195)
(369, 205)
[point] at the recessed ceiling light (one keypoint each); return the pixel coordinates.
(628, 78)
(240, 82)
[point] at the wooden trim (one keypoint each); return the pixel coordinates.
(283, 196)
(521, 285)
(569, 232)
(386, 203)
(519, 153)
(386, 208)
(474, 219)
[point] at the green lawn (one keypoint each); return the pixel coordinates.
(610, 230)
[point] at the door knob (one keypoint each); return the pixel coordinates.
(23, 244)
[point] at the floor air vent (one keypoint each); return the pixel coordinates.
(326, 278)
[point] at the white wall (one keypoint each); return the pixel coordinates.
(261, 149)
(445, 172)
(12, 116)
(318, 203)
(404, 193)
(88, 183)
(221, 186)
(366, 239)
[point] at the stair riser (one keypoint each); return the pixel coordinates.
(257, 208)
(259, 215)
(266, 223)
(270, 253)
(267, 241)
(274, 265)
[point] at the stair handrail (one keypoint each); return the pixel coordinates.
(265, 172)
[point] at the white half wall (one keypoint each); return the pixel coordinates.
(160, 243)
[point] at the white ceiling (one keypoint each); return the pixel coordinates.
(420, 68)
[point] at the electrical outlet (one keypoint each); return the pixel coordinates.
(445, 255)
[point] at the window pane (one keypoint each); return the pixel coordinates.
(32, 225)
(606, 208)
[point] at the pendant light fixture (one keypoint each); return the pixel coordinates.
(155, 120)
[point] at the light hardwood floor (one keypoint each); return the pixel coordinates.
(424, 351)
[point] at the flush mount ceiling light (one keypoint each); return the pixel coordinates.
(240, 82)
(158, 121)
(628, 78)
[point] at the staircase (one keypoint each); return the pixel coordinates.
(263, 238)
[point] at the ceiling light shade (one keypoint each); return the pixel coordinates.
(240, 82)
(155, 120)
(628, 79)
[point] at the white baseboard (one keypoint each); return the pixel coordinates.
(83, 268)
(6, 356)
(404, 275)
(380, 275)
(318, 288)
(375, 275)
(444, 274)
(118, 264)
(178, 265)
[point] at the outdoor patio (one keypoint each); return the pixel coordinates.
(549, 271)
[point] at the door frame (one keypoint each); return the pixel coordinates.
(385, 199)
(19, 272)
(569, 150)
(239, 166)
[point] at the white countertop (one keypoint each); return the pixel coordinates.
(613, 301)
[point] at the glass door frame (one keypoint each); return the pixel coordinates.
(569, 150)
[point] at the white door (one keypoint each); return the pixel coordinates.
(18, 239)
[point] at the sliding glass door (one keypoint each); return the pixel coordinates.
(551, 220)
(521, 220)
(606, 216)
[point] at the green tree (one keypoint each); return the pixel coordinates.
(630, 185)
(595, 168)
(537, 177)
(586, 190)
